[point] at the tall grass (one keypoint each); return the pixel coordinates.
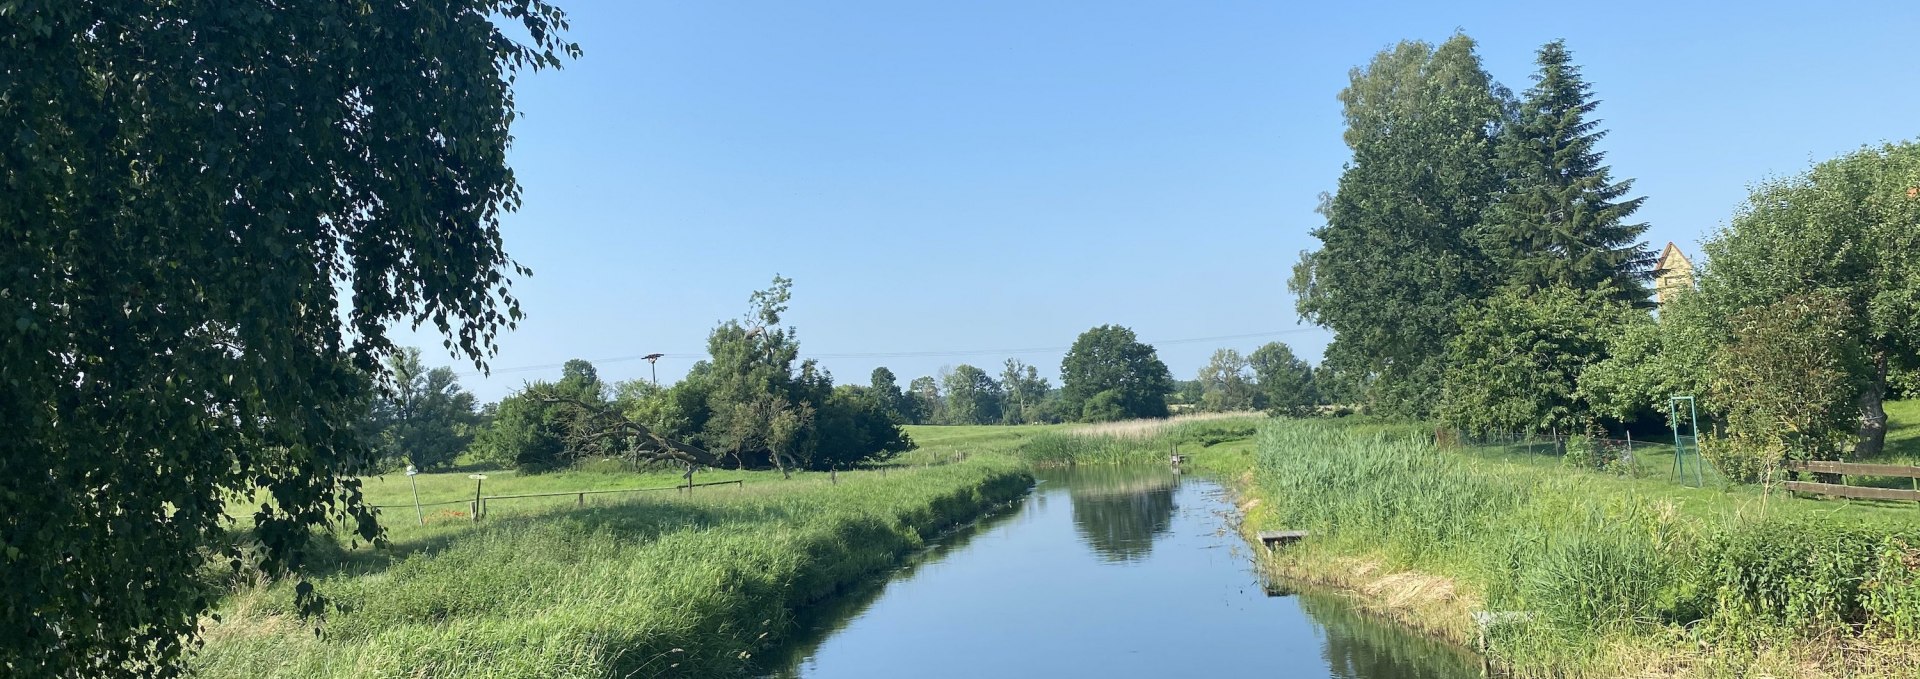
(1135, 441)
(1156, 427)
(1597, 563)
(655, 585)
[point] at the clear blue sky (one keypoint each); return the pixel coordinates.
(966, 176)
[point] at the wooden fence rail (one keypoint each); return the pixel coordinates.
(424, 504)
(581, 495)
(1845, 469)
(1854, 469)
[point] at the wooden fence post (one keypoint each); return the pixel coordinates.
(479, 505)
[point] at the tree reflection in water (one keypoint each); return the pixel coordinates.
(1045, 609)
(1361, 647)
(1120, 511)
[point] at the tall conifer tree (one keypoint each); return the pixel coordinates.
(1562, 219)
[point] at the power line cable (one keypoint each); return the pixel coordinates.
(958, 353)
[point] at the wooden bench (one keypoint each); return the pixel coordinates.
(1845, 469)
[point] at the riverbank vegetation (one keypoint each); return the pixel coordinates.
(1588, 573)
(1143, 441)
(651, 584)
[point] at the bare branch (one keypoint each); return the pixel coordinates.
(602, 422)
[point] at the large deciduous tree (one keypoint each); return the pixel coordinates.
(425, 418)
(1026, 393)
(1849, 227)
(886, 388)
(1789, 380)
(973, 397)
(1110, 368)
(1562, 219)
(1225, 384)
(751, 385)
(1285, 383)
(927, 403)
(210, 214)
(1396, 259)
(757, 402)
(538, 428)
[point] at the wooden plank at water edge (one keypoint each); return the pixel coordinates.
(1275, 538)
(1860, 492)
(1853, 469)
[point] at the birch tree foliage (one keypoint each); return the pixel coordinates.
(210, 214)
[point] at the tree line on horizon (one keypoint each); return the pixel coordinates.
(1480, 268)
(754, 402)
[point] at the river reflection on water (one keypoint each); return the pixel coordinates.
(1102, 572)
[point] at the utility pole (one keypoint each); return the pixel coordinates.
(653, 365)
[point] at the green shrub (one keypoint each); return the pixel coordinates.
(1106, 406)
(1740, 460)
(1892, 588)
(1582, 453)
(1807, 574)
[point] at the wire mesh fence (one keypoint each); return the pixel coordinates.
(1623, 454)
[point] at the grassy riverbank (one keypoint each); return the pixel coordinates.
(648, 584)
(1139, 441)
(1613, 575)
(1608, 576)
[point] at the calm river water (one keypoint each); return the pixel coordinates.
(1102, 572)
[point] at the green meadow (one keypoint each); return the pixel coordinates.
(660, 583)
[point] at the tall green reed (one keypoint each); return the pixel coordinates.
(1587, 557)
